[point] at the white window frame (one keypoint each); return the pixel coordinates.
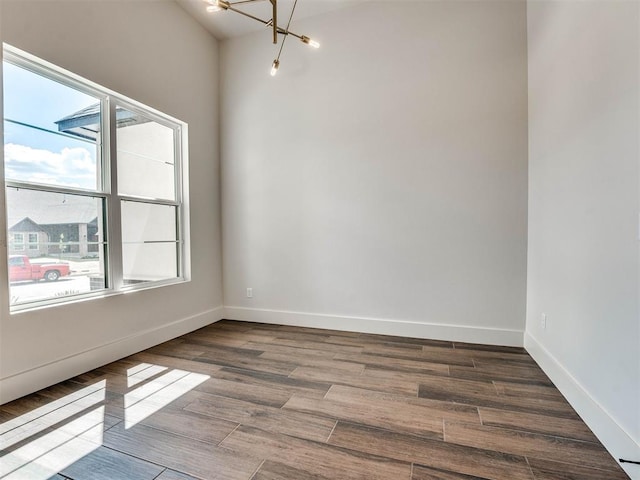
(21, 243)
(35, 245)
(107, 173)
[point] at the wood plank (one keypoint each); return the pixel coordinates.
(433, 355)
(23, 430)
(548, 470)
(441, 410)
(315, 458)
(174, 362)
(393, 363)
(527, 390)
(484, 395)
(180, 350)
(294, 351)
(320, 331)
(230, 323)
(106, 464)
(285, 384)
(537, 423)
(291, 337)
(249, 362)
(182, 454)
(296, 424)
(216, 340)
(426, 473)
(502, 369)
(466, 373)
(173, 475)
(431, 453)
(190, 424)
(262, 394)
(369, 337)
(277, 471)
(392, 385)
(315, 362)
(509, 357)
(530, 444)
(315, 344)
(373, 413)
(488, 348)
(383, 375)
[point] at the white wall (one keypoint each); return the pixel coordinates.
(379, 183)
(583, 268)
(155, 53)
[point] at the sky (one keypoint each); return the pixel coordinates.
(37, 156)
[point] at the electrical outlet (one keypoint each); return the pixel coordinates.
(249, 292)
(543, 321)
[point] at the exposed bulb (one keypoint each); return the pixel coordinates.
(308, 41)
(274, 67)
(216, 5)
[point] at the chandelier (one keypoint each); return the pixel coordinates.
(220, 5)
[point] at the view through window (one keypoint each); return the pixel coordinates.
(83, 218)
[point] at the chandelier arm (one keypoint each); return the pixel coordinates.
(280, 30)
(289, 32)
(265, 22)
(274, 18)
(286, 32)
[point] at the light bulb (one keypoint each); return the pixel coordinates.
(308, 41)
(274, 67)
(216, 5)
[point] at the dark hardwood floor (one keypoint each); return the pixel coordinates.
(246, 401)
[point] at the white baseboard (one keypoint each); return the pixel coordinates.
(34, 379)
(434, 331)
(615, 439)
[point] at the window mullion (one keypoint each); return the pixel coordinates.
(110, 156)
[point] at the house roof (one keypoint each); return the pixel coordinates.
(48, 208)
(85, 123)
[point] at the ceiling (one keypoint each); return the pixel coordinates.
(223, 25)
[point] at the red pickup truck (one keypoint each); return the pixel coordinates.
(21, 269)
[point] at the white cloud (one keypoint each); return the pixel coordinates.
(71, 167)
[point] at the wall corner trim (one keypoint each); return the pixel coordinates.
(381, 326)
(614, 438)
(34, 379)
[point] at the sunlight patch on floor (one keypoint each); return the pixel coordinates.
(137, 374)
(44, 441)
(45, 456)
(40, 419)
(158, 393)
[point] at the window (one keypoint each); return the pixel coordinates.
(33, 241)
(16, 261)
(18, 242)
(93, 180)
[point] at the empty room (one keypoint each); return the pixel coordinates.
(320, 239)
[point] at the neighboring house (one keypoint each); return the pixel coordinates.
(45, 224)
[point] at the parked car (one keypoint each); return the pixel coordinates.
(21, 269)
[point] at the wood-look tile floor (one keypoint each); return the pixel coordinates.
(245, 401)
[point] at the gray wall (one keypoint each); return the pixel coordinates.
(155, 53)
(379, 183)
(583, 268)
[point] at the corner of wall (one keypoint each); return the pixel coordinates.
(612, 435)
